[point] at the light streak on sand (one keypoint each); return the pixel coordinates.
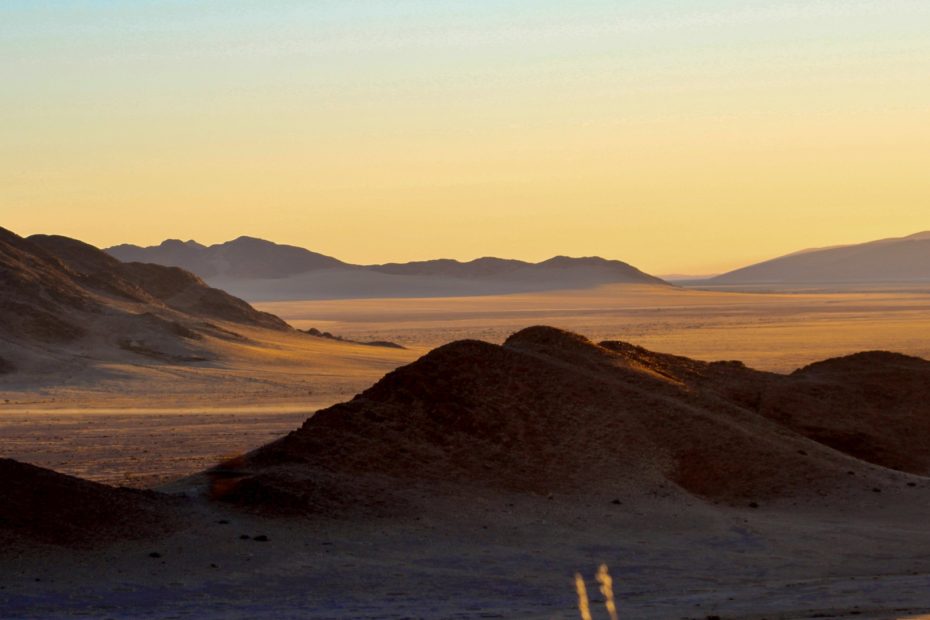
(583, 607)
(607, 589)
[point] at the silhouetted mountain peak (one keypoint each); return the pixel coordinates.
(248, 241)
(177, 243)
(568, 261)
(258, 264)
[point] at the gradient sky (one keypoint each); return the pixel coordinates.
(681, 136)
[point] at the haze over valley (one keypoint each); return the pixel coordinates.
(260, 270)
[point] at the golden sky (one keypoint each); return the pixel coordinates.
(686, 137)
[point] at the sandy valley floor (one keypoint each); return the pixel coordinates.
(141, 425)
(768, 331)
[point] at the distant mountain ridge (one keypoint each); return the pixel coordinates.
(898, 259)
(244, 257)
(257, 269)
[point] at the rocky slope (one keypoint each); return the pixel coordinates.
(551, 412)
(43, 506)
(66, 299)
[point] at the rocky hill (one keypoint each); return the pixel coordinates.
(43, 506)
(551, 412)
(64, 298)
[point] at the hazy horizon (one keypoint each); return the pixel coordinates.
(257, 432)
(678, 137)
(544, 257)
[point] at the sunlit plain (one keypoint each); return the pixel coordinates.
(779, 332)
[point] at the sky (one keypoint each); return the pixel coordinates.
(680, 136)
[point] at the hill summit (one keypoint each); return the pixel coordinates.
(900, 259)
(65, 299)
(550, 411)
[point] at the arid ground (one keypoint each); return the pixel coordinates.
(770, 331)
(478, 553)
(103, 429)
(495, 556)
(476, 481)
(145, 424)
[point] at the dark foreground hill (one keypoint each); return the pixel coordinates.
(40, 505)
(551, 412)
(63, 297)
(257, 269)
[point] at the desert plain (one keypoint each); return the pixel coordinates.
(198, 415)
(435, 310)
(856, 547)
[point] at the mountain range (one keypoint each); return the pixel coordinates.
(900, 259)
(261, 270)
(256, 269)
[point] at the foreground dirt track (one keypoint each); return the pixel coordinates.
(496, 555)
